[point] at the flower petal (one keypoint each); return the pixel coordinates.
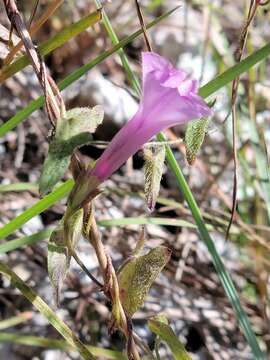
(188, 86)
(169, 98)
(155, 64)
(175, 78)
(160, 69)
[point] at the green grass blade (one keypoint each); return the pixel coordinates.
(21, 115)
(25, 240)
(47, 312)
(77, 74)
(146, 220)
(15, 320)
(234, 71)
(45, 234)
(131, 76)
(36, 209)
(48, 46)
(21, 186)
(46, 343)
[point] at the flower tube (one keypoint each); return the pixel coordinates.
(169, 98)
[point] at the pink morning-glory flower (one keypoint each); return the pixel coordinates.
(169, 98)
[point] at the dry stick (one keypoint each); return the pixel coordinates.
(111, 288)
(214, 180)
(52, 107)
(17, 23)
(83, 267)
(143, 27)
(33, 13)
(34, 28)
(239, 53)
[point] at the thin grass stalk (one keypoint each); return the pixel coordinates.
(114, 38)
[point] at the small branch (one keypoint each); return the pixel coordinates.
(144, 30)
(33, 13)
(239, 53)
(84, 268)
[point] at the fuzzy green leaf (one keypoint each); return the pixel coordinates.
(194, 138)
(59, 250)
(71, 132)
(160, 326)
(153, 169)
(137, 276)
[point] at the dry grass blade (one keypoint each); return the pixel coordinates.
(33, 13)
(239, 53)
(143, 27)
(53, 6)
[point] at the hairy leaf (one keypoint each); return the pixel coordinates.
(160, 326)
(194, 138)
(71, 132)
(153, 169)
(59, 250)
(137, 276)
